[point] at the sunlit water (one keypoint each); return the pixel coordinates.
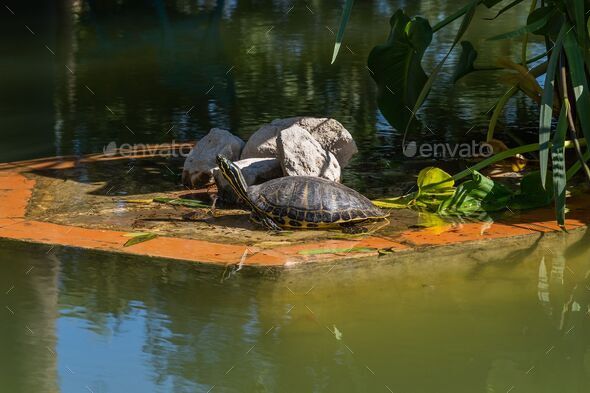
(144, 72)
(75, 322)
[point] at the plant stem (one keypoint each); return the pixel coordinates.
(507, 154)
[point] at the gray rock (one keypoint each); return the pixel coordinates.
(199, 164)
(254, 170)
(328, 132)
(300, 154)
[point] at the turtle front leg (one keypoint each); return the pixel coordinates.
(267, 222)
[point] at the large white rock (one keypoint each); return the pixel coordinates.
(199, 164)
(328, 132)
(254, 170)
(300, 154)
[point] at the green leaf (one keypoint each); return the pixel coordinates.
(506, 8)
(137, 238)
(432, 179)
(580, 83)
(546, 115)
(466, 62)
(182, 202)
(396, 67)
(532, 194)
(343, 22)
(558, 160)
(480, 194)
(400, 202)
(337, 250)
(434, 186)
(536, 21)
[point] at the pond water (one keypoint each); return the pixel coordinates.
(81, 322)
(96, 72)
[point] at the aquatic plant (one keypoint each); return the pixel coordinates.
(565, 64)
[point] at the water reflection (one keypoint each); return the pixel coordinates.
(136, 72)
(121, 324)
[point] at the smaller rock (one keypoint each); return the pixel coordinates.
(199, 164)
(254, 170)
(301, 155)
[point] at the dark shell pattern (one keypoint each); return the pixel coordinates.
(304, 201)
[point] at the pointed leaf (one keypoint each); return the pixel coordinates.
(536, 21)
(506, 8)
(546, 115)
(558, 160)
(580, 83)
(343, 23)
(139, 238)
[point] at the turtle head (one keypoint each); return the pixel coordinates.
(233, 175)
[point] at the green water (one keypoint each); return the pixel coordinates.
(75, 322)
(154, 71)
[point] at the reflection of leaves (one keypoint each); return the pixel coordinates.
(137, 238)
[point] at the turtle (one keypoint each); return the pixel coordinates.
(300, 202)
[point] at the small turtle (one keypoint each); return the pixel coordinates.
(300, 201)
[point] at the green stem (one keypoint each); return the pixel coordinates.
(512, 152)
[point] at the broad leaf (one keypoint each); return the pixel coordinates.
(466, 62)
(396, 67)
(532, 194)
(480, 194)
(434, 186)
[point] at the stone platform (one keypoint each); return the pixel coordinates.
(95, 202)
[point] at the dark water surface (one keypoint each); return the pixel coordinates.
(96, 72)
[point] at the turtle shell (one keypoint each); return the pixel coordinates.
(312, 202)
